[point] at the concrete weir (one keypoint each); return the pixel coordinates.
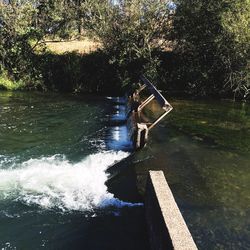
(166, 226)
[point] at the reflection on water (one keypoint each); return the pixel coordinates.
(117, 137)
(204, 150)
(54, 153)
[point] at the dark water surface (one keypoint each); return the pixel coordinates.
(54, 151)
(204, 150)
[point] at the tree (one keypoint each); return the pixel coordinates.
(24, 26)
(16, 31)
(215, 53)
(236, 22)
(57, 18)
(130, 32)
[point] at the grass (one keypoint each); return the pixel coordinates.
(84, 46)
(7, 84)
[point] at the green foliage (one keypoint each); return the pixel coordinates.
(24, 25)
(211, 41)
(56, 18)
(16, 51)
(72, 72)
(213, 46)
(130, 32)
(236, 21)
(7, 84)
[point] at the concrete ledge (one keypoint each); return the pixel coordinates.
(166, 226)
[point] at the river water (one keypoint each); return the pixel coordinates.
(55, 150)
(203, 147)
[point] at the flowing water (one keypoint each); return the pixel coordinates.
(203, 147)
(55, 150)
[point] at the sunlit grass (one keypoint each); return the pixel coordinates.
(85, 46)
(7, 84)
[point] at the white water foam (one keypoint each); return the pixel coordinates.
(54, 182)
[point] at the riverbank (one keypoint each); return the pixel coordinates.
(82, 66)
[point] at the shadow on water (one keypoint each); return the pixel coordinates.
(203, 149)
(93, 231)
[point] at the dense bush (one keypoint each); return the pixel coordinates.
(72, 72)
(212, 47)
(23, 27)
(16, 51)
(198, 47)
(130, 32)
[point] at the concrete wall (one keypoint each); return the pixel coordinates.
(166, 226)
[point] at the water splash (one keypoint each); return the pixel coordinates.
(54, 182)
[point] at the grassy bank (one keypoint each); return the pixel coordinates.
(7, 84)
(83, 66)
(67, 66)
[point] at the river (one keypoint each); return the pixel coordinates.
(203, 147)
(55, 150)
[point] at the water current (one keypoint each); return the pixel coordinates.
(55, 191)
(54, 153)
